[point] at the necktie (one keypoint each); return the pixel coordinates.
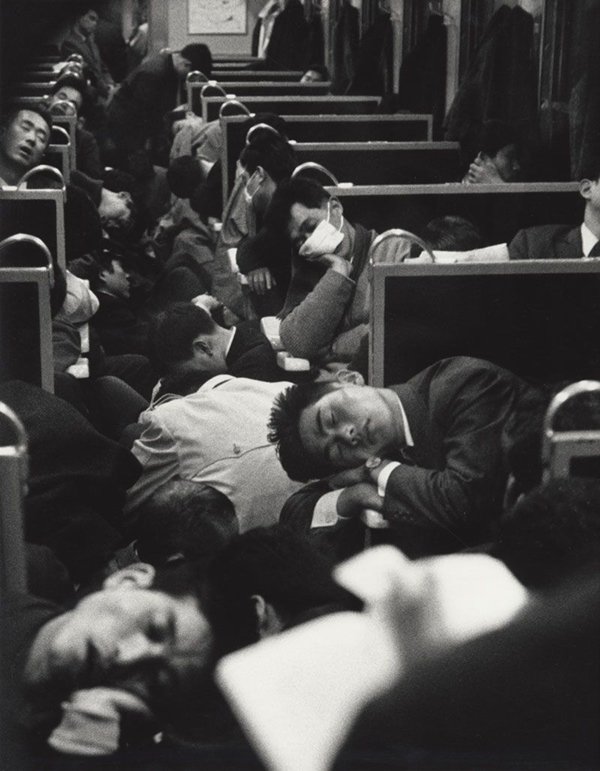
(595, 252)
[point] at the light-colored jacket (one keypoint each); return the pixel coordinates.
(217, 436)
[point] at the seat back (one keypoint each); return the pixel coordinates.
(337, 128)
(297, 105)
(37, 212)
(499, 211)
(510, 313)
(26, 277)
(13, 473)
(576, 451)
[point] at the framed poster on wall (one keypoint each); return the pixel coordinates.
(217, 17)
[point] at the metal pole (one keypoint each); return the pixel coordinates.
(397, 11)
(13, 473)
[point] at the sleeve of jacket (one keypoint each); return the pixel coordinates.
(297, 512)
(259, 363)
(474, 405)
(312, 325)
(519, 248)
(156, 451)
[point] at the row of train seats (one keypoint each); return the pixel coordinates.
(388, 173)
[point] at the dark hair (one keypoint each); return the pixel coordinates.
(70, 80)
(280, 566)
(591, 169)
(85, 8)
(199, 57)
(452, 233)
(184, 175)
(39, 108)
(172, 333)
(496, 134)
(184, 518)
(271, 152)
(551, 532)
(271, 119)
(298, 190)
(91, 266)
(284, 432)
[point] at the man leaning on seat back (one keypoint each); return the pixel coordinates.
(426, 454)
(565, 242)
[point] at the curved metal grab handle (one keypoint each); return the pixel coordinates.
(63, 135)
(214, 86)
(27, 238)
(570, 391)
(401, 233)
(12, 420)
(316, 167)
(238, 105)
(252, 129)
(196, 76)
(47, 170)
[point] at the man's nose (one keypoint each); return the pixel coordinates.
(347, 432)
(137, 647)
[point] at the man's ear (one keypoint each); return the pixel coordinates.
(139, 575)
(336, 205)
(585, 188)
(267, 620)
(349, 376)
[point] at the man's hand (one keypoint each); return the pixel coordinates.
(206, 301)
(260, 280)
(482, 172)
(366, 472)
(334, 262)
(354, 499)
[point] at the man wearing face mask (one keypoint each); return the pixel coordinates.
(264, 163)
(326, 311)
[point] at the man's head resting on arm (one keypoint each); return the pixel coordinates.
(302, 211)
(324, 426)
(144, 633)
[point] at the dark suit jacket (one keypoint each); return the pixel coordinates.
(547, 242)
(450, 484)
(289, 37)
(75, 44)
(118, 326)
(77, 480)
(136, 111)
(251, 355)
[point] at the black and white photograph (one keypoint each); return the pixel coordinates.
(299, 385)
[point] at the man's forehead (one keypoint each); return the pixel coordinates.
(299, 213)
(33, 117)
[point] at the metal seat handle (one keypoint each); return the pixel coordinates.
(401, 233)
(311, 165)
(26, 238)
(51, 170)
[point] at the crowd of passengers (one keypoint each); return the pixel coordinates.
(189, 498)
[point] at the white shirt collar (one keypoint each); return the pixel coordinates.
(407, 435)
(233, 331)
(588, 240)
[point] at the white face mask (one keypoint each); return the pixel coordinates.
(324, 239)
